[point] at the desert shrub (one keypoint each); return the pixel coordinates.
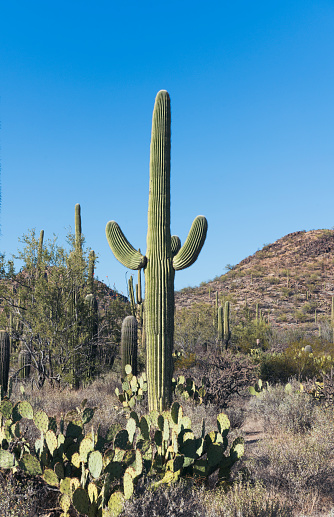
(22, 496)
(296, 465)
(195, 328)
(282, 318)
(246, 333)
(288, 408)
(185, 499)
(295, 362)
(309, 307)
(179, 499)
(226, 375)
(276, 367)
(299, 316)
(273, 280)
(184, 362)
(247, 500)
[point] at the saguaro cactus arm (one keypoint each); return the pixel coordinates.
(122, 249)
(175, 244)
(193, 244)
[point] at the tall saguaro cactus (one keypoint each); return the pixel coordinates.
(164, 255)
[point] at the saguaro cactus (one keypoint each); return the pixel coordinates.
(40, 252)
(224, 333)
(24, 360)
(78, 234)
(164, 256)
(227, 332)
(129, 340)
(4, 359)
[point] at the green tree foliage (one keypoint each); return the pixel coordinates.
(51, 317)
(195, 329)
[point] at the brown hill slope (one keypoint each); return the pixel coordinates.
(292, 280)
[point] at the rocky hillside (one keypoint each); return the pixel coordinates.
(292, 280)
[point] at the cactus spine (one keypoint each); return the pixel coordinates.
(129, 344)
(4, 359)
(164, 256)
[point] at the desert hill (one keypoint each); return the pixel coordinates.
(292, 280)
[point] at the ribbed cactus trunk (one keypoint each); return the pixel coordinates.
(159, 272)
(129, 340)
(4, 359)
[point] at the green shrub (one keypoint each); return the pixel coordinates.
(295, 362)
(245, 334)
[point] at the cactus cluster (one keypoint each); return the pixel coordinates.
(258, 388)
(164, 255)
(134, 388)
(95, 474)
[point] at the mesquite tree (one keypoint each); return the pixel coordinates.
(164, 255)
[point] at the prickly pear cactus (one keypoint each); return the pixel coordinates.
(188, 389)
(133, 388)
(96, 474)
(164, 256)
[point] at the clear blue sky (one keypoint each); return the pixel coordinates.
(252, 97)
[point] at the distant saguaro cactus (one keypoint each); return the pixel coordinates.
(78, 233)
(227, 332)
(24, 364)
(4, 359)
(164, 256)
(129, 344)
(224, 333)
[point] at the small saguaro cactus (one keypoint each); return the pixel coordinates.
(24, 360)
(164, 255)
(4, 359)
(220, 326)
(40, 252)
(132, 296)
(129, 344)
(227, 332)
